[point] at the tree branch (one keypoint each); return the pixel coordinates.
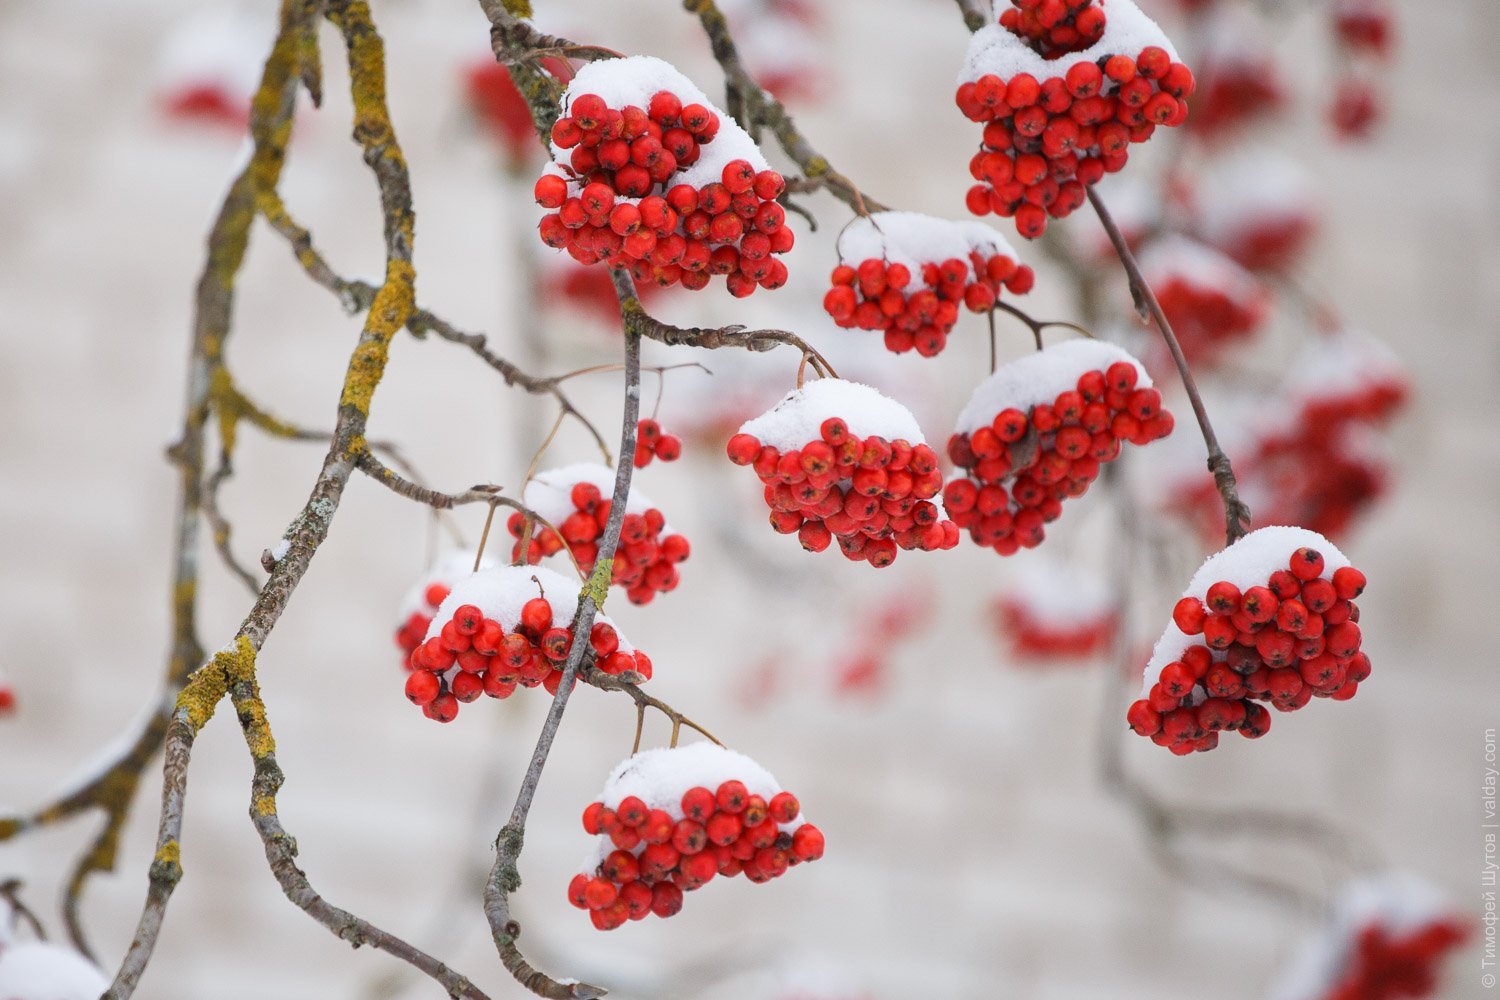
(1236, 514)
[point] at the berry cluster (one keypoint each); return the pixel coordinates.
(656, 180)
(1055, 27)
(1365, 25)
(497, 105)
(669, 821)
(7, 698)
(651, 443)
(1256, 206)
(907, 274)
(576, 500)
(1238, 79)
(1056, 612)
(1036, 433)
(841, 462)
(1271, 618)
(422, 601)
(1053, 127)
(498, 630)
(1211, 301)
(1389, 936)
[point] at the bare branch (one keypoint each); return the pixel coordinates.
(1236, 514)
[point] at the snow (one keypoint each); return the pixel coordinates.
(1059, 595)
(1127, 30)
(1248, 188)
(798, 418)
(280, 549)
(549, 493)
(1401, 902)
(503, 591)
(635, 80)
(1193, 263)
(660, 776)
(35, 970)
(1247, 563)
(913, 239)
(449, 568)
(1040, 378)
(1342, 364)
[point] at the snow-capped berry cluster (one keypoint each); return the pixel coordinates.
(210, 67)
(907, 274)
(1345, 378)
(576, 500)
(651, 443)
(501, 108)
(1036, 433)
(423, 599)
(1055, 27)
(670, 820)
(1257, 206)
(7, 697)
(1054, 125)
(841, 462)
(1271, 618)
(1057, 611)
(648, 174)
(1364, 30)
(1238, 79)
(499, 629)
(1211, 301)
(1365, 25)
(1389, 935)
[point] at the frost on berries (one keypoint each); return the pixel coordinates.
(504, 628)
(1037, 431)
(576, 499)
(1388, 938)
(908, 274)
(1270, 619)
(670, 820)
(422, 600)
(1059, 114)
(843, 463)
(648, 175)
(1053, 611)
(1211, 301)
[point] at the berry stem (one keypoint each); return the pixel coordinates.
(1236, 514)
(1037, 325)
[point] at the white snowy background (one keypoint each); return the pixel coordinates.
(972, 849)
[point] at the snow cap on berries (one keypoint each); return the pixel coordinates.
(549, 491)
(634, 80)
(997, 50)
(914, 239)
(502, 592)
(1397, 904)
(799, 417)
(1247, 563)
(36, 970)
(1040, 377)
(447, 570)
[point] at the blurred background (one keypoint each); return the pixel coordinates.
(974, 847)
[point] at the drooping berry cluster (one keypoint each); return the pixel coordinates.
(209, 68)
(907, 274)
(841, 462)
(1314, 456)
(1388, 939)
(1056, 612)
(1036, 433)
(499, 107)
(1256, 206)
(7, 698)
(1238, 78)
(1051, 127)
(576, 500)
(1364, 29)
(648, 175)
(427, 594)
(1365, 25)
(651, 443)
(498, 630)
(1211, 302)
(1055, 27)
(1270, 619)
(670, 820)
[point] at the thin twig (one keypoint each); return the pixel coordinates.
(1236, 514)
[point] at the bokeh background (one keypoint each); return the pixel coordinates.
(974, 849)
